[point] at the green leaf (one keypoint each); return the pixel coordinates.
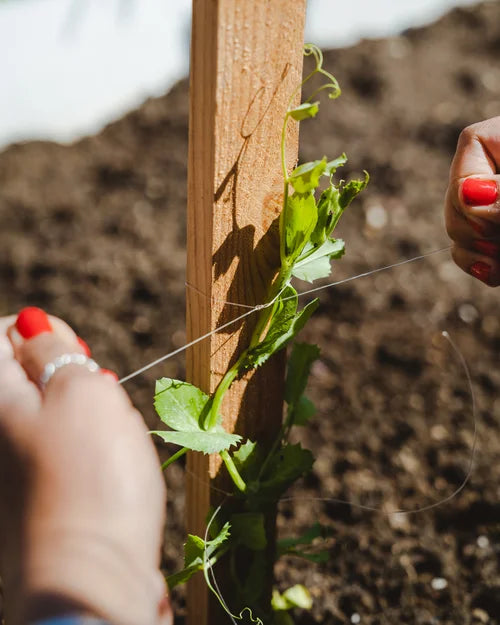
(315, 531)
(304, 111)
(299, 367)
(332, 166)
(302, 411)
(195, 550)
(305, 177)
(285, 467)
(253, 585)
(285, 324)
(317, 264)
(351, 190)
(289, 546)
(282, 618)
(295, 597)
(182, 576)
(300, 217)
(298, 597)
(182, 406)
(319, 557)
(221, 537)
(248, 460)
(320, 268)
(243, 454)
(278, 602)
(208, 442)
(247, 528)
(329, 212)
(179, 404)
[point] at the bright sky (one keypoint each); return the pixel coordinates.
(67, 67)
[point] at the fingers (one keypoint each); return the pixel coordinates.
(478, 150)
(477, 198)
(165, 614)
(6, 350)
(19, 399)
(38, 340)
(472, 210)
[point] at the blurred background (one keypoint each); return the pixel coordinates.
(93, 128)
(70, 66)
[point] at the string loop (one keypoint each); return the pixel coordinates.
(253, 309)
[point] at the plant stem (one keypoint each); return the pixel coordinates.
(232, 373)
(233, 471)
(224, 384)
(278, 285)
(281, 281)
(173, 458)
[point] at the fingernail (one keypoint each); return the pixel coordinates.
(111, 374)
(488, 248)
(481, 271)
(32, 321)
(84, 346)
(478, 192)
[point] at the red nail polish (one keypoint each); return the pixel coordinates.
(32, 321)
(488, 248)
(478, 192)
(481, 271)
(111, 374)
(84, 346)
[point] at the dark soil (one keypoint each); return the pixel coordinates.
(94, 232)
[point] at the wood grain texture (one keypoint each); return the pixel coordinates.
(246, 60)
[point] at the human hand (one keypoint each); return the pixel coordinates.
(473, 201)
(82, 499)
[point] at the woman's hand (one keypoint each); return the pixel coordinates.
(82, 498)
(473, 201)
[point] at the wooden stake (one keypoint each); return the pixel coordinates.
(246, 60)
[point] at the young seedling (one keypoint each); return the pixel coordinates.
(240, 529)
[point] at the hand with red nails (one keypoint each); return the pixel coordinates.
(82, 498)
(473, 201)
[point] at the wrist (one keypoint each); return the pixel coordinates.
(47, 606)
(96, 574)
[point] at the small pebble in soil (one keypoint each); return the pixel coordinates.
(467, 313)
(439, 432)
(449, 272)
(355, 618)
(398, 47)
(483, 542)
(439, 583)
(376, 216)
(480, 615)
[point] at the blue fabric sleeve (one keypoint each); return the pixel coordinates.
(71, 620)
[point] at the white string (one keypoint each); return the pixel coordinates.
(381, 510)
(343, 281)
(200, 338)
(253, 309)
(372, 271)
(463, 362)
(470, 467)
(219, 301)
(182, 348)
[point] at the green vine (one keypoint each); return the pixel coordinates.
(307, 221)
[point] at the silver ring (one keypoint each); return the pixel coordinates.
(63, 360)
